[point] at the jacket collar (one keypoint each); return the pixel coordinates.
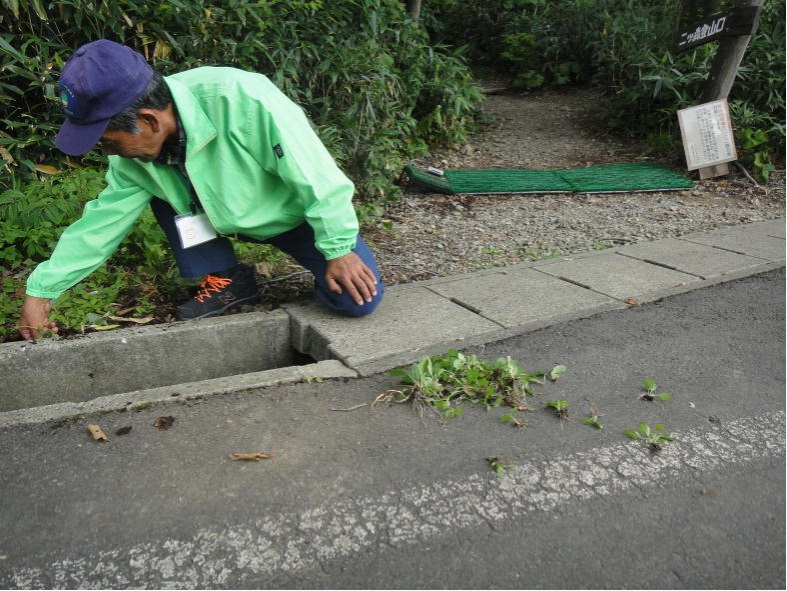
(173, 152)
(198, 128)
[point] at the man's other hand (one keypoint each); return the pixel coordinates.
(351, 273)
(34, 317)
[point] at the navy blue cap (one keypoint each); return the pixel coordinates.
(100, 80)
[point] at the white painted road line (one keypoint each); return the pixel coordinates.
(290, 542)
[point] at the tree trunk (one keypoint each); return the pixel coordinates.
(414, 8)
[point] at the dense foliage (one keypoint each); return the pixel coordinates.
(374, 87)
(628, 49)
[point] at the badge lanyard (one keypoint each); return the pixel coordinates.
(193, 228)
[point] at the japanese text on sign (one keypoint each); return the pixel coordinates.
(702, 33)
(707, 134)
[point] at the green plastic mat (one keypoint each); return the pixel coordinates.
(639, 176)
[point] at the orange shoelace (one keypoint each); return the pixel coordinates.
(211, 283)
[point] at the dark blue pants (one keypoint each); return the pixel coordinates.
(218, 255)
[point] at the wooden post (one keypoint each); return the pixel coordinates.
(708, 172)
(722, 75)
(728, 59)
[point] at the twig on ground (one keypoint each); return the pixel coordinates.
(746, 173)
(356, 407)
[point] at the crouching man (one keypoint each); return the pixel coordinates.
(216, 153)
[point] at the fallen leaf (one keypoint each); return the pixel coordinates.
(102, 326)
(46, 169)
(631, 301)
(97, 433)
(252, 457)
(134, 320)
(123, 430)
(164, 423)
(6, 155)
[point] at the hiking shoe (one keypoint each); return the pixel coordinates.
(219, 292)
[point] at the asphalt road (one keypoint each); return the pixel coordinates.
(380, 498)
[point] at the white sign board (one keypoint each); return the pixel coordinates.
(707, 134)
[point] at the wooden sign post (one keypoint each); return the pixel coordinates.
(733, 29)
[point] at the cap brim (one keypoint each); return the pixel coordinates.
(77, 140)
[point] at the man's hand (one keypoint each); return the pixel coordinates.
(34, 317)
(351, 273)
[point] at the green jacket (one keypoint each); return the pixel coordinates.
(255, 162)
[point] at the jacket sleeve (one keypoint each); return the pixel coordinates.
(295, 153)
(90, 240)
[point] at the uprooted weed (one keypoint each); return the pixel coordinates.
(442, 383)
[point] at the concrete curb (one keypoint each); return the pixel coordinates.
(127, 360)
(176, 393)
(432, 316)
(113, 371)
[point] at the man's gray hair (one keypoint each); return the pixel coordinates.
(157, 96)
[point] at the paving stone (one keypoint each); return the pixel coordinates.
(775, 228)
(704, 261)
(407, 323)
(620, 277)
(753, 240)
(525, 297)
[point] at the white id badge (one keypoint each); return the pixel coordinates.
(194, 229)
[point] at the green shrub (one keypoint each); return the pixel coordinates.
(367, 76)
(33, 218)
(35, 215)
(476, 25)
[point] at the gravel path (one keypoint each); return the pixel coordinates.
(427, 235)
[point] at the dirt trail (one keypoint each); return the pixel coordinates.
(435, 235)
